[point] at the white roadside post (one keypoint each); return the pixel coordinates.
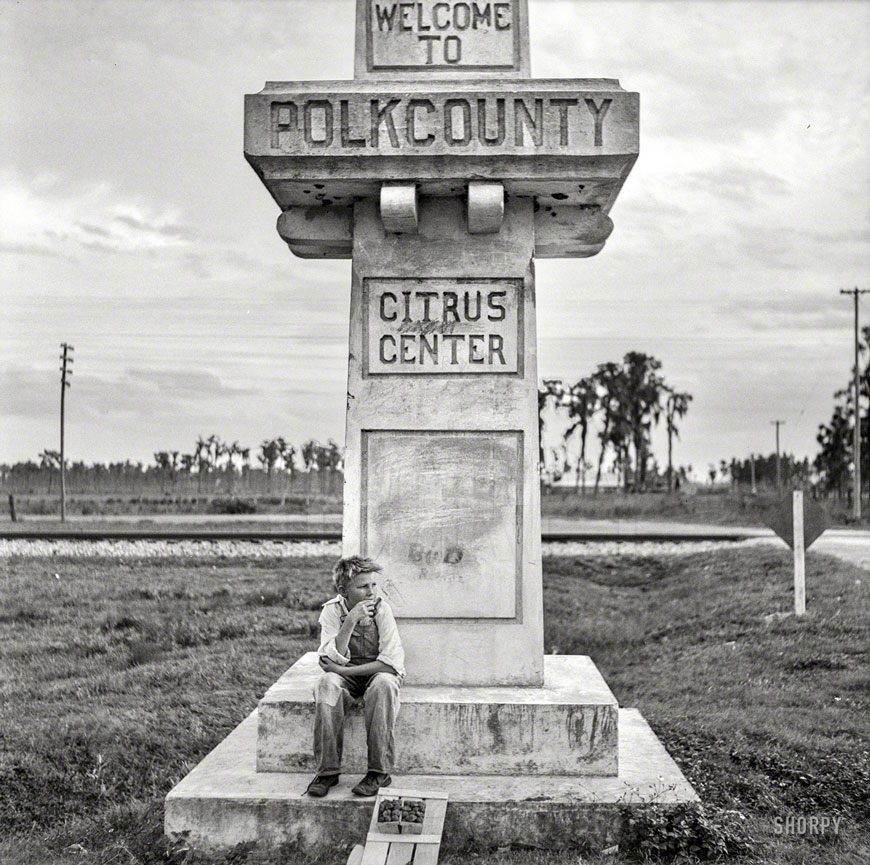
(800, 589)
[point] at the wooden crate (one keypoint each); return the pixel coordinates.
(392, 848)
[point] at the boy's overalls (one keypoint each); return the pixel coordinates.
(334, 694)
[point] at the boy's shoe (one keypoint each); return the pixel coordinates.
(319, 787)
(372, 782)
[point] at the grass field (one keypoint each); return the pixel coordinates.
(117, 676)
(717, 507)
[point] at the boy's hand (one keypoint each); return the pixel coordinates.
(363, 610)
(329, 666)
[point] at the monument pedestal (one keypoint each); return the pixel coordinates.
(532, 766)
(566, 727)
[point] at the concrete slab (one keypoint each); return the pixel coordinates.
(224, 801)
(566, 727)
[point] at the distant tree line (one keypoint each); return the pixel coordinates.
(213, 466)
(620, 404)
(760, 469)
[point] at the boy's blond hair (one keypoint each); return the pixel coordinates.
(346, 570)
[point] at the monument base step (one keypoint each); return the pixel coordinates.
(567, 727)
(224, 801)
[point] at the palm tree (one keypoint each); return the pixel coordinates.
(49, 460)
(268, 457)
(310, 453)
(310, 458)
(214, 450)
(288, 458)
(551, 393)
(619, 439)
(642, 405)
(230, 451)
(609, 381)
(163, 462)
(832, 461)
(201, 455)
(332, 459)
(187, 462)
(245, 455)
(582, 402)
(174, 455)
(285, 453)
(676, 406)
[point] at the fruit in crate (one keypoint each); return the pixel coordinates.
(389, 811)
(413, 810)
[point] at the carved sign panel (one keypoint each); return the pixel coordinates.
(442, 326)
(442, 513)
(451, 34)
(470, 123)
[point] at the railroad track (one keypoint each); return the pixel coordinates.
(335, 535)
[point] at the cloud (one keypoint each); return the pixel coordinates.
(200, 385)
(44, 215)
(28, 392)
(783, 247)
(140, 410)
(791, 311)
(28, 249)
(747, 186)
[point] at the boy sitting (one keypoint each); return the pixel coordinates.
(361, 655)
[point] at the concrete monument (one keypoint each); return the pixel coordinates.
(442, 170)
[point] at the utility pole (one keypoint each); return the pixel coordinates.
(752, 469)
(65, 371)
(856, 452)
(778, 424)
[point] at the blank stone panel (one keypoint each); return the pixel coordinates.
(442, 512)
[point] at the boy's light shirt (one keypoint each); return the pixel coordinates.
(390, 645)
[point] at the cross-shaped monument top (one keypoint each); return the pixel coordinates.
(442, 104)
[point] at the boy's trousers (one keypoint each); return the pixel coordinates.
(333, 695)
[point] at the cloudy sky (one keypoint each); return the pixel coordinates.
(132, 227)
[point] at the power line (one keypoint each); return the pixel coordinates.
(778, 424)
(65, 371)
